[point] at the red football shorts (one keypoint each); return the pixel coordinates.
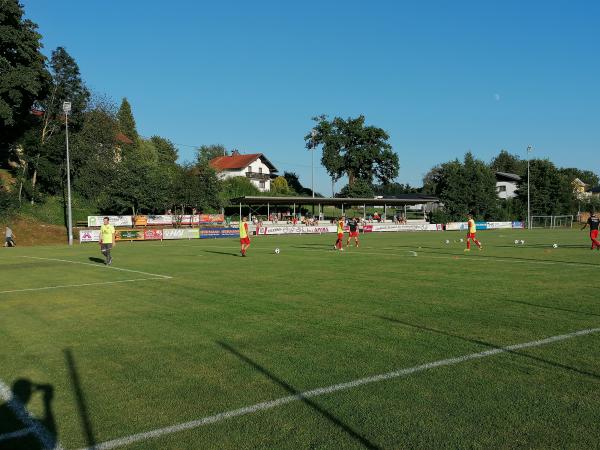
(245, 240)
(470, 235)
(340, 235)
(594, 234)
(353, 234)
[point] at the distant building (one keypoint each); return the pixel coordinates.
(507, 184)
(594, 192)
(254, 166)
(580, 189)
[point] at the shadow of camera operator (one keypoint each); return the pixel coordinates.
(19, 430)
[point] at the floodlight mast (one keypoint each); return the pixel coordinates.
(313, 144)
(67, 110)
(528, 192)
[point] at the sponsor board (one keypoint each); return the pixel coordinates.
(518, 224)
(211, 218)
(89, 235)
(219, 232)
(407, 227)
(498, 225)
(181, 233)
(171, 219)
(117, 221)
(297, 230)
(152, 234)
(129, 235)
(453, 226)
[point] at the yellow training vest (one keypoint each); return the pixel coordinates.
(243, 233)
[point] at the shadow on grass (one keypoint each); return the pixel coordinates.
(556, 308)
(84, 416)
(487, 344)
(96, 260)
(292, 390)
(19, 430)
(216, 252)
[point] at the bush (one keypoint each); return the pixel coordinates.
(8, 203)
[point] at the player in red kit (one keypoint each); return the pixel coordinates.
(472, 229)
(593, 221)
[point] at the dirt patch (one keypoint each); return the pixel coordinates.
(29, 232)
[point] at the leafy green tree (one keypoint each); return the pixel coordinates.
(237, 187)
(296, 187)
(395, 189)
(359, 189)
(279, 186)
(23, 74)
(551, 191)
(166, 151)
(198, 187)
(505, 162)
(208, 152)
(351, 148)
(464, 187)
(587, 176)
(126, 121)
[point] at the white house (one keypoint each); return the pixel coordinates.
(507, 184)
(255, 166)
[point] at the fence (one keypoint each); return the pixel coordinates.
(551, 221)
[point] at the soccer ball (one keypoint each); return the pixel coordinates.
(461, 239)
(555, 245)
(522, 242)
(447, 241)
(277, 251)
(516, 241)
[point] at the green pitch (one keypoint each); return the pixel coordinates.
(191, 330)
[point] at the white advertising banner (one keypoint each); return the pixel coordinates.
(181, 233)
(167, 219)
(117, 221)
(453, 226)
(498, 225)
(407, 227)
(297, 230)
(89, 235)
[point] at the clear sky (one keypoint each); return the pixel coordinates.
(440, 77)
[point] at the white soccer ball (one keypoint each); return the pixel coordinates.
(461, 240)
(522, 242)
(277, 251)
(555, 245)
(516, 241)
(447, 241)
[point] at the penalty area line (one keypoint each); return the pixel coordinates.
(140, 437)
(97, 265)
(99, 283)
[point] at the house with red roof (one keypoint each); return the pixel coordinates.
(254, 166)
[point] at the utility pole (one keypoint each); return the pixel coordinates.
(67, 110)
(528, 191)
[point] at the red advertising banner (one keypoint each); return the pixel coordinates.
(212, 218)
(153, 234)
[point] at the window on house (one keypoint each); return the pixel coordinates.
(250, 169)
(260, 170)
(262, 184)
(500, 188)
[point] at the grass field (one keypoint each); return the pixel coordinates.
(191, 331)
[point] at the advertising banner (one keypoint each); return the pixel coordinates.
(181, 233)
(498, 225)
(211, 218)
(117, 221)
(89, 235)
(152, 234)
(129, 235)
(518, 224)
(407, 227)
(219, 232)
(140, 221)
(297, 230)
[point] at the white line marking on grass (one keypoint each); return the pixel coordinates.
(99, 283)
(41, 433)
(98, 265)
(328, 390)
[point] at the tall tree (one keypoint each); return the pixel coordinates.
(208, 152)
(167, 153)
(352, 148)
(587, 176)
(67, 85)
(23, 75)
(551, 191)
(294, 184)
(508, 163)
(126, 121)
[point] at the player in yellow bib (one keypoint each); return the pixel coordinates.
(107, 240)
(472, 227)
(340, 235)
(244, 238)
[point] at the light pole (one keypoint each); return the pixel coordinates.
(528, 192)
(313, 144)
(67, 110)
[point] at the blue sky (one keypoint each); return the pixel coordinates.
(441, 77)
